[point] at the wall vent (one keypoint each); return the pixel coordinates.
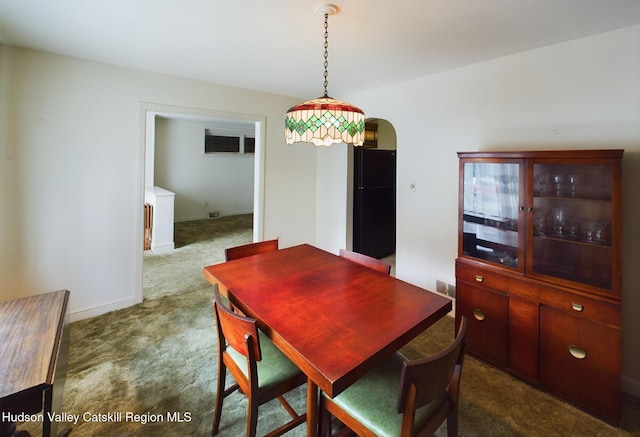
(215, 214)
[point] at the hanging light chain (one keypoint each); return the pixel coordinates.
(324, 121)
(326, 53)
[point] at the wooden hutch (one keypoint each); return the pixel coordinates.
(538, 272)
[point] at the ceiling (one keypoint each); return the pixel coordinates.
(277, 45)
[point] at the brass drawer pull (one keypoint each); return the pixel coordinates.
(577, 307)
(478, 314)
(479, 278)
(577, 352)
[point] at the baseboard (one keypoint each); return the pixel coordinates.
(162, 248)
(102, 309)
(631, 386)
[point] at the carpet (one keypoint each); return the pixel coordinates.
(150, 369)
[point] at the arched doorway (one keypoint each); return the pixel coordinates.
(374, 191)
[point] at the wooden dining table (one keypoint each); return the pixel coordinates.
(334, 318)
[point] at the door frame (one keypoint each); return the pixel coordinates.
(146, 154)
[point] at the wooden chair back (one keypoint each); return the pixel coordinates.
(428, 379)
(236, 330)
(436, 378)
(250, 249)
(366, 261)
(238, 334)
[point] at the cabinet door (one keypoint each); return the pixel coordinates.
(487, 315)
(523, 338)
(574, 224)
(580, 360)
(491, 227)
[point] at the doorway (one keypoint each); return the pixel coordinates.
(148, 114)
(374, 191)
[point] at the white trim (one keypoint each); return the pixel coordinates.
(258, 180)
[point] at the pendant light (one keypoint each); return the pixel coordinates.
(324, 121)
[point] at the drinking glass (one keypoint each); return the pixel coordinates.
(590, 229)
(558, 219)
(540, 218)
(543, 184)
(557, 180)
(573, 180)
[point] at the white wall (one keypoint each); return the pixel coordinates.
(202, 182)
(580, 94)
(71, 171)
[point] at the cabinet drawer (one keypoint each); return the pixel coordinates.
(481, 277)
(582, 306)
(487, 315)
(580, 360)
(496, 281)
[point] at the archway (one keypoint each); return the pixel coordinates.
(374, 191)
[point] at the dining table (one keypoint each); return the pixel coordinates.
(334, 318)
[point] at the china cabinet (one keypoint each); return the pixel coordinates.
(538, 272)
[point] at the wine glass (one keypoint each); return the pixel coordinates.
(557, 180)
(540, 220)
(558, 219)
(599, 229)
(573, 227)
(573, 180)
(543, 184)
(590, 229)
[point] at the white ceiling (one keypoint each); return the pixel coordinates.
(277, 45)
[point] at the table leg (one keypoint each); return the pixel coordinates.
(312, 408)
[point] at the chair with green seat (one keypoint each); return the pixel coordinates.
(244, 250)
(366, 261)
(401, 397)
(236, 252)
(261, 370)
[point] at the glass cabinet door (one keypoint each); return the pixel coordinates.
(491, 202)
(571, 230)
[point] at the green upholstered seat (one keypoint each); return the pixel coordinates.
(260, 370)
(401, 397)
(373, 398)
(273, 369)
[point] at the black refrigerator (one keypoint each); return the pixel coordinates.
(374, 202)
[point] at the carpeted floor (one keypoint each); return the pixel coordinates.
(155, 364)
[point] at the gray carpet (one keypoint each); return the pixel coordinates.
(157, 360)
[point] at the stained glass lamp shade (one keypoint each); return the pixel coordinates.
(324, 121)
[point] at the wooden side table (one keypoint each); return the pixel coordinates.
(34, 344)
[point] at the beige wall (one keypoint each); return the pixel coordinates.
(580, 94)
(203, 183)
(72, 173)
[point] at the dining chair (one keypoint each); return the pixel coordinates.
(402, 397)
(261, 371)
(366, 260)
(236, 252)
